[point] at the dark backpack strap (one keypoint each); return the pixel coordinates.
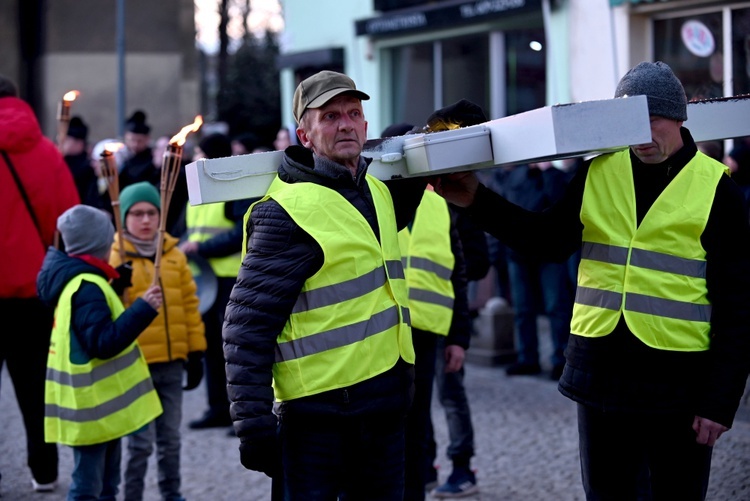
(23, 195)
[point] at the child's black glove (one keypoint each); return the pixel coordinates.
(459, 114)
(194, 369)
(125, 280)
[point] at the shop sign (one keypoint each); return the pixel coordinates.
(431, 17)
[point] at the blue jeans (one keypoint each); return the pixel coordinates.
(639, 456)
(343, 457)
(165, 432)
(529, 280)
(452, 396)
(96, 472)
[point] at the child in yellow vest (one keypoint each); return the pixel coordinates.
(98, 386)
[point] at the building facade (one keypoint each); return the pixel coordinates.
(509, 56)
(52, 47)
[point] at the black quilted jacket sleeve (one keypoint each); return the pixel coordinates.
(280, 259)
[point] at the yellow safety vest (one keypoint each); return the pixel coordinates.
(653, 273)
(351, 320)
(206, 221)
(100, 400)
(428, 264)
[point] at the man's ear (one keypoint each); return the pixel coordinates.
(303, 139)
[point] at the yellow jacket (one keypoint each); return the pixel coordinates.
(179, 327)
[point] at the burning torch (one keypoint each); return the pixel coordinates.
(170, 170)
(63, 116)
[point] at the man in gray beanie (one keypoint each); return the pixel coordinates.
(659, 350)
(664, 93)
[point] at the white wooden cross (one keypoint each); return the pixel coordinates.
(549, 133)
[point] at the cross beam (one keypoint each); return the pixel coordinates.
(549, 133)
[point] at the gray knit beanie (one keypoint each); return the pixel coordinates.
(86, 230)
(665, 94)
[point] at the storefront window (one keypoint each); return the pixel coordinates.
(525, 71)
(460, 68)
(413, 89)
(465, 64)
(741, 51)
(693, 46)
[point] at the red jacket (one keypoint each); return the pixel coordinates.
(50, 189)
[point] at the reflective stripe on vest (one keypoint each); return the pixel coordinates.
(206, 221)
(653, 273)
(428, 263)
(350, 321)
(100, 400)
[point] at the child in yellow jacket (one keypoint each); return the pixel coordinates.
(174, 342)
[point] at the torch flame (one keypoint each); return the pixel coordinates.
(71, 95)
(112, 148)
(179, 138)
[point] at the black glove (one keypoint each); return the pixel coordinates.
(459, 114)
(262, 455)
(194, 369)
(125, 279)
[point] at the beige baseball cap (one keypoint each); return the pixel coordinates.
(317, 90)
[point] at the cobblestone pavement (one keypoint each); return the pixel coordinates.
(526, 442)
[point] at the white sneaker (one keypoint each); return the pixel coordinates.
(43, 487)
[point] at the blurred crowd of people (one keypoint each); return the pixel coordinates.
(128, 290)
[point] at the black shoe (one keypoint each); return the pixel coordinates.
(231, 433)
(523, 369)
(210, 420)
(557, 371)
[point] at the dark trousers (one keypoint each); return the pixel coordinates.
(530, 280)
(419, 421)
(452, 396)
(25, 350)
(349, 458)
(637, 456)
(215, 376)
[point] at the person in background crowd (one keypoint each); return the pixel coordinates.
(95, 367)
(139, 165)
(75, 151)
(172, 344)
(738, 161)
(537, 286)
(451, 392)
(659, 351)
(247, 142)
(438, 307)
(36, 187)
(285, 137)
(713, 149)
(323, 265)
(214, 232)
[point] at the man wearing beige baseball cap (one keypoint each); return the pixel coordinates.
(318, 320)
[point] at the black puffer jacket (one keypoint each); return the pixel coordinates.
(280, 258)
(618, 372)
